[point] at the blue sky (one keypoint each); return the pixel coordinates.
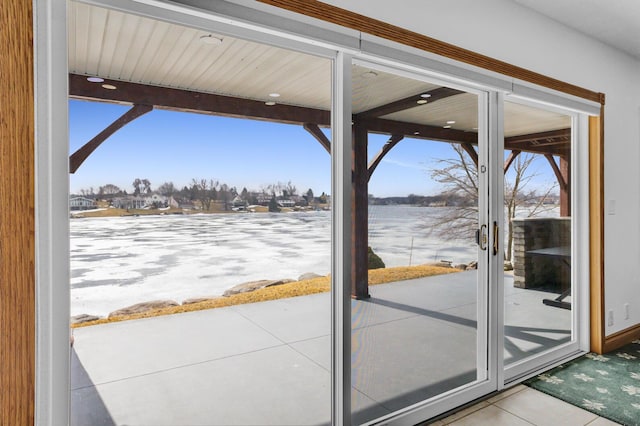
(173, 146)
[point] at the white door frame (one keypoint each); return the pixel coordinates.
(52, 298)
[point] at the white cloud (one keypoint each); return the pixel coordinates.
(403, 164)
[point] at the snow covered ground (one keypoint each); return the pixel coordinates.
(119, 261)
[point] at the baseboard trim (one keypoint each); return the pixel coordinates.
(621, 338)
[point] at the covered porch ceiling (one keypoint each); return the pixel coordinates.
(151, 64)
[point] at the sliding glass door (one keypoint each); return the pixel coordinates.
(539, 283)
(455, 274)
(209, 215)
(420, 242)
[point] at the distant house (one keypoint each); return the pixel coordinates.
(156, 200)
(172, 202)
(130, 202)
(182, 203)
(81, 203)
(286, 203)
(264, 199)
(239, 202)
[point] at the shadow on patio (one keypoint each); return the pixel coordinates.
(269, 362)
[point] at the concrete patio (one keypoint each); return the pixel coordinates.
(269, 362)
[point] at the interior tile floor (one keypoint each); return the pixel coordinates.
(524, 406)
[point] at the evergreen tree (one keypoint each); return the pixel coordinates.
(273, 205)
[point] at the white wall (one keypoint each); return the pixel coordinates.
(507, 31)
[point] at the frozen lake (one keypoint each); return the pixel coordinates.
(119, 261)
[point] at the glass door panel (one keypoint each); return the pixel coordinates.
(418, 314)
(211, 214)
(538, 244)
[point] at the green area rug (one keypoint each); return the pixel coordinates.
(607, 385)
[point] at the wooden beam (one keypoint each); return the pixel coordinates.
(199, 102)
(17, 215)
(469, 149)
(555, 142)
(184, 100)
(512, 156)
(410, 102)
(561, 151)
(78, 157)
(420, 131)
(393, 141)
(562, 180)
(552, 136)
(207, 103)
(315, 131)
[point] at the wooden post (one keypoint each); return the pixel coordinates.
(563, 175)
(565, 190)
(360, 213)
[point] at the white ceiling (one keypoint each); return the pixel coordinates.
(613, 22)
(123, 47)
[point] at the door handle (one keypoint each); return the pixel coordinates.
(481, 237)
(496, 230)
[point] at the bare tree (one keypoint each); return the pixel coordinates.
(108, 190)
(459, 176)
(205, 191)
(167, 189)
(289, 189)
(147, 186)
(280, 189)
(87, 192)
(136, 186)
(458, 217)
(516, 197)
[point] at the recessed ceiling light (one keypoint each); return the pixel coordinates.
(95, 79)
(421, 101)
(416, 133)
(274, 95)
(211, 40)
(270, 103)
(369, 74)
(446, 127)
(109, 86)
(451, 122)
(425, 95)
